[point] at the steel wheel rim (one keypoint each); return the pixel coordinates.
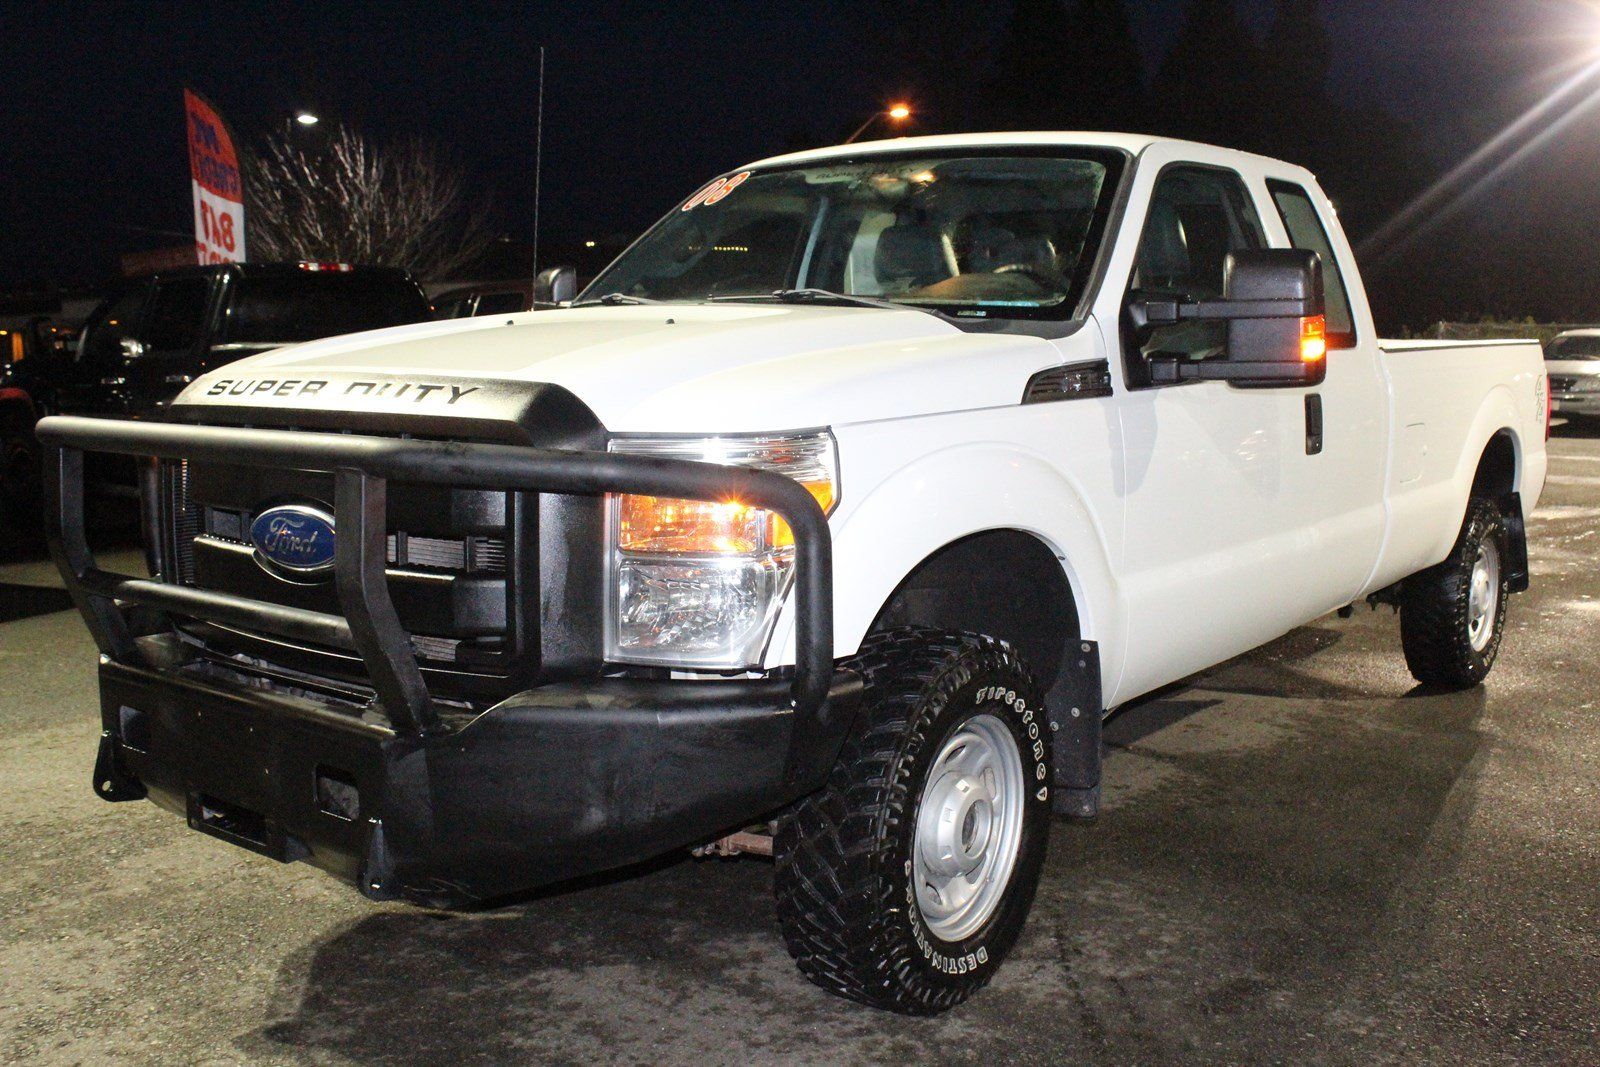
(1483, 597)
(968, 829)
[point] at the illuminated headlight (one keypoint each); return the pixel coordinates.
(697, 584)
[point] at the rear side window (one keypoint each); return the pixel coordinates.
(1306, 231)
(177, 314)
(285, 308)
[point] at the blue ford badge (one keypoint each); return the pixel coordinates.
(294, 538)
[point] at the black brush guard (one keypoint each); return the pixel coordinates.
(559, 781)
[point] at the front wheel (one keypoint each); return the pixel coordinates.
(1452, 615)
(905, 881)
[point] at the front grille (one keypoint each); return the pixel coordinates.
(1561, 383)
(452, 581)
(455, 555)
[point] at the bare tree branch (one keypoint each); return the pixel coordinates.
(349, 200)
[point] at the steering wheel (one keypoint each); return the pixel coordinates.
(1043, 277)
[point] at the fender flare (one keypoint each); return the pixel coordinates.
(913, 513)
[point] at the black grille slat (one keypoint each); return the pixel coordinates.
(183, 520)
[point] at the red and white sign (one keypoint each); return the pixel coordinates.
(218, 185)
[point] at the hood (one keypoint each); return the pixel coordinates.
(691, 368)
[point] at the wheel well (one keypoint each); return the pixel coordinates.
(1497, 468)
(1004, 583)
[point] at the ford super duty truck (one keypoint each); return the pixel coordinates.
(829, 520)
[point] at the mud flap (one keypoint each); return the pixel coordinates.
(1075, 712)
(1517, 535)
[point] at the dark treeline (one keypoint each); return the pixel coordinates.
(1074, 65)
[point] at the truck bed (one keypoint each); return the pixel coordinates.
(1446, 398)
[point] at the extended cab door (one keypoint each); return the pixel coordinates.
(1340, 504)
(1240, 522)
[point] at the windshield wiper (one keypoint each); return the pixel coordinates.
(822, 296)
(611, 299)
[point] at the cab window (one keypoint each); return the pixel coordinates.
(112, 321)
(177, 314)
(1306, 231)
(1197, 216)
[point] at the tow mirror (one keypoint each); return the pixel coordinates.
(555, 287)
(1273, 304)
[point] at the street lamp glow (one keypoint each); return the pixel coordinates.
(306, 118)
(894, 113)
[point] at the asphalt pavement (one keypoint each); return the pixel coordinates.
(1301, 859)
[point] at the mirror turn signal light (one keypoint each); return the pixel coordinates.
(1313, 338)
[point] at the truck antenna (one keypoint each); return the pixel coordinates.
(538, 161)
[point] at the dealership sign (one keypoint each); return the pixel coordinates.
(218, 185)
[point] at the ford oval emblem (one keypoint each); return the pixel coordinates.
(294, 540)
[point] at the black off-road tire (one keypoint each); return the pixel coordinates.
(845, 894)
(1435, 613)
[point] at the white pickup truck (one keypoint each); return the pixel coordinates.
(829, 521)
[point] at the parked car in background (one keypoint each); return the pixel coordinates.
(148, 341)
(1572, 359)
(466, 302)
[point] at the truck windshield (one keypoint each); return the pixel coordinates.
(280, 309)
(1574, 346)
(974, 235)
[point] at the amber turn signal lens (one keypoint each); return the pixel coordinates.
(653, 524)
(1313, 338)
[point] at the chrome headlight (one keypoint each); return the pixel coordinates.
(697, 584)
(1588, 383)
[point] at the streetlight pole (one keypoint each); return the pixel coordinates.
(895, 113)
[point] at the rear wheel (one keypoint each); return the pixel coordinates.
(1452, 615)
(905, 881)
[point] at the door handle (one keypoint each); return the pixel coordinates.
(1313, 423)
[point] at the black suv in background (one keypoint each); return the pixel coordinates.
(149, 340)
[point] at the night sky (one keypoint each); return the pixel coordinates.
(643, 102)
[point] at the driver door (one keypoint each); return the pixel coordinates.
(1215, 560)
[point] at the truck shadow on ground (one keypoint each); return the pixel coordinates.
(1246, 860)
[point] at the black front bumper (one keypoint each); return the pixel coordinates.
(552, 784)
(408, 797)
